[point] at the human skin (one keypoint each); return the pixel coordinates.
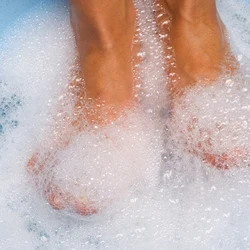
(201, 52)
(104, 32)
(199, 40)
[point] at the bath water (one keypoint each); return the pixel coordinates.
(152, 191)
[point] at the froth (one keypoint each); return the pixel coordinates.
(183, 203)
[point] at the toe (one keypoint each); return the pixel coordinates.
(85, 209)
(56, 201)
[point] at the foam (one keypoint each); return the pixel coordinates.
(151, 197)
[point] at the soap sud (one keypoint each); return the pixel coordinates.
(214, 120)
(154, 197)
(102, 165)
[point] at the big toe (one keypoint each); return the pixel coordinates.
(56, 201)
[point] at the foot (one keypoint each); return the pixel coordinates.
(104, 32)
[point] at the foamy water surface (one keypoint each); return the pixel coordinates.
(153, 192)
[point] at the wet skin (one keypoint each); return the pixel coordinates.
(104, 32)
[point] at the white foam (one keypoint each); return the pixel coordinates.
(182, 204)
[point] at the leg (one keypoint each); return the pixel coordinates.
(198, 37)
(104, 33)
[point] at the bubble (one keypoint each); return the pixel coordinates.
(145, 173)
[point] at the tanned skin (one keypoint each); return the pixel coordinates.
(104, 32)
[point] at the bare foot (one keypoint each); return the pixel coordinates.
(200, 52)
(104, 32)
(199, 40)
(105, 45)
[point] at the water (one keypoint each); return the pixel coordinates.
(153, 193)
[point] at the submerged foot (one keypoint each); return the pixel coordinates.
(199, 41)
(104, 32)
